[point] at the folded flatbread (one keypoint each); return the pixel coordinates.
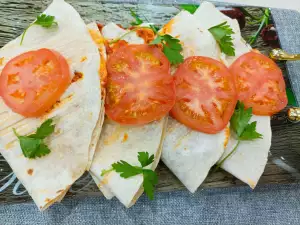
(119, 142)
(76, 115)
(190, 154)
(250, 159)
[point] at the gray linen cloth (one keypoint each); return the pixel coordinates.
(267, 205)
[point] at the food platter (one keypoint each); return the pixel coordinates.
(284, 155)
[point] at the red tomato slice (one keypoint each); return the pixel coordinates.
(32, 82)
(205, 95)
(259, 83)
(140, 88)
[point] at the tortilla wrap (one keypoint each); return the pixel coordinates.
(190, 154)
(119, 142)
(76, 114)
(250, 158)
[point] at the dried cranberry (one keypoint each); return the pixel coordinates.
(269, 35)
(235, 13)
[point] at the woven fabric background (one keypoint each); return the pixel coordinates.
(287, 24)
(267, 205)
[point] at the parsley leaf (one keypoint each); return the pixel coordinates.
(222, 33)
(244, 131)
(45, 20)
(144, 158)
(41, 20)
(150, 180)
(138, 20)
(172, 42)
(43, 150)
(240, 118)
(126, 171)
(171, 47)
(29, 145)
(190, 8)
(33, 145)
(250, 132)
(173, 55)
(239, 123)
(157, 40)
(154, 28)
(44, 130)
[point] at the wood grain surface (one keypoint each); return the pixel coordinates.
(283, 165)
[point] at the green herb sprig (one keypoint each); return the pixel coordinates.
(126, 171)
(42, 20)
(264, 21)
(222, 33)
(171, 48)
(33, 145)
(241, 127)
(189, 7)
(138, 20)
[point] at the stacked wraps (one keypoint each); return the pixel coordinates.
(191, 154)
(77, 146)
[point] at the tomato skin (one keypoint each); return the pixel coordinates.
(205, 95)
(259, 83)
(140, 88)
(31, 83)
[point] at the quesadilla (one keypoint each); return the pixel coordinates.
(250, 158)
(188, 153)
(75, 113)
(120, 141)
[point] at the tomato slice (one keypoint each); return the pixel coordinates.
(32, 82)
(140, 88)
(259, 83)
(205, 94)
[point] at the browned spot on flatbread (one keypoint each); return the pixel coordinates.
(47, 200)
(251, 183)
(59, 191)
(103, 74)
(9, 145)
(77, 76)
(167, 28)
(57, 131)
(119, 25)
(100, 42)
(30, 172)
(59, 103)
(227, 135)
(1, 61)
(83, 59)
(96, 36)
(125, 138)
(115, 136)
(105, 180)
(179, 140)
